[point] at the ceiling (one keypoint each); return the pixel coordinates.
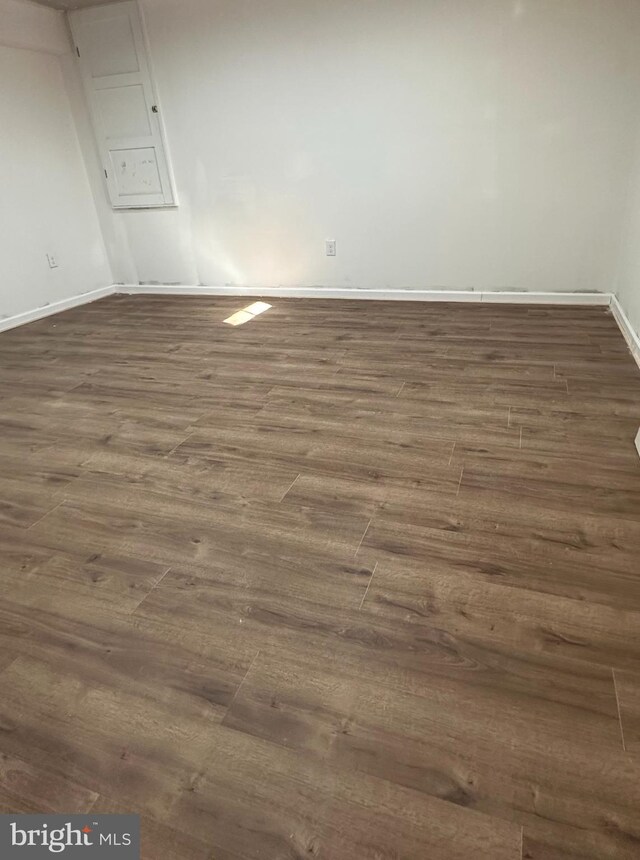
(70, 4)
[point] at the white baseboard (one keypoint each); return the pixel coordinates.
(383, 295)
(630, 335)
(55, 308)
(525, 298)
(540, 298)
(632, 339)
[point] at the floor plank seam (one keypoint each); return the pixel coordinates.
(460, 481)
(453, 448)
(230, 705)
(363, 537)
(368, 586)
(615, 687)
(290, 487)
(182, 442)
(54, 508)
(151, 590)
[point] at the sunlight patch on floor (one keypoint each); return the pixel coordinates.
(247, 314)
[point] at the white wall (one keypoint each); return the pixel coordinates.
(442, 143)
(46, 205)
(627, 286)
(26, 25)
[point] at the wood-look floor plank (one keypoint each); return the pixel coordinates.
(192, 774)
(195, 671)
(458, 605)
(106, 517)
(504, 538)
(355, 580)
(610, 496)
(185, 477)
(403, 656)
(157, 839)
(39, 790)
(273, 802)
(452, 752)
(59, 721)
(91, 579)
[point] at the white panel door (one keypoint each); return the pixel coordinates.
(117, 78)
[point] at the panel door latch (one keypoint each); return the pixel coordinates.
(154, 108)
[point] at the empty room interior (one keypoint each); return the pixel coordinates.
(320, 429)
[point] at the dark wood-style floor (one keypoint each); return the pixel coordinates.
(355, 581)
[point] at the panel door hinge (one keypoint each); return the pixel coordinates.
(77, 50)
(106, 175)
